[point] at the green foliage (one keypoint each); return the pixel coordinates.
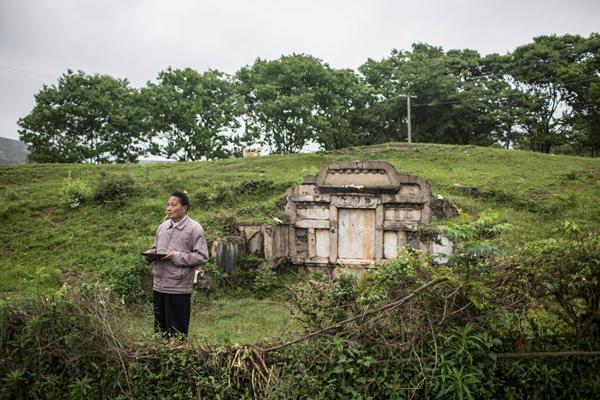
(377, 286)
(543, 96)
(557, 76)
(295, 100)
(75, 192)
(125, 278)
(193, 113)
(474, 236)
(115, 188)
(84, 118)
(346, 370)
(46, 246)
(564, 274)
(264, 281)
(224, 194)
(71, 346)
(464, 360)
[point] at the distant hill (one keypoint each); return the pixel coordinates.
(12, 151)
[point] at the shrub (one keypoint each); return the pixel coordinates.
(260, 187)
(265, 281)
(114, 188)
(564, 274)
(254, 186)
(75, 192)
(124, 278)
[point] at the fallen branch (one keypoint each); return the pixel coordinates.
(385, 307)
(549, 354)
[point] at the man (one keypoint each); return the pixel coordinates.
(179, 247)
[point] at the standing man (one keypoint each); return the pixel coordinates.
(181, 242)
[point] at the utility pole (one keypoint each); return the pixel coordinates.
(408, 97)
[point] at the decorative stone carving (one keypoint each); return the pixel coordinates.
(352, 215)
(357, 213)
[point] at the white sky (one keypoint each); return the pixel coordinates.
(136, 39)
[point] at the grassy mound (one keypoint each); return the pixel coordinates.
(44, 241)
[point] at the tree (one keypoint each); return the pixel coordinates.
(455, 102)
(84, 118)
(341, 108)
(297, 99)
(535, 70)
(192, 115)
(580, 83)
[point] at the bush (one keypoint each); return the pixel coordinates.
(75, 192)
(254, 187)
(124, 278)
(114, 188)
(220, 196)
(564, 276)
(265, 281)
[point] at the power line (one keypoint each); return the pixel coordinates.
(26, 71)
(467, 100)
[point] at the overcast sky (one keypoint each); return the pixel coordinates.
(135, 39)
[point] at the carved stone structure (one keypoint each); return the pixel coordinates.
(351, 215)
(356, 213)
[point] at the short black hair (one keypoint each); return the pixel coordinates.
(183, 199)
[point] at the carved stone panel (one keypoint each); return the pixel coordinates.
(390, 244)
(302, 242)
(403, 214)
(315, 212)
(322, 246)
(355, 214)
(356, 234)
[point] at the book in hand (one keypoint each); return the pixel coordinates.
(154, 256)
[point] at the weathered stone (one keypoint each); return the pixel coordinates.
(356, 234)
(226, 256)
(301, 243)
(440, 249)
(360, 214)
(315, 212)
(255, 245)
(351, 216)
(443, 208)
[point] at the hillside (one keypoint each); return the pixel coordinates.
(12, 151)
(44, 241)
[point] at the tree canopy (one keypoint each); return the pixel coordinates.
(192, 115)
(85, 118)
(543, 96)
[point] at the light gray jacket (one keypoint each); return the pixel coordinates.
(187, 243)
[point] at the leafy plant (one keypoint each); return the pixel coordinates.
(564, 273)
(265, 281)
(463, 362)
(115, 188)
(474, 237)
(75, 192)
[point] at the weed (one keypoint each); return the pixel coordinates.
(74, 192)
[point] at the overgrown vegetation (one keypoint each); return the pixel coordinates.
(453, 341)
(523, 279)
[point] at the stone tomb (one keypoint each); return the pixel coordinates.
(351, 215)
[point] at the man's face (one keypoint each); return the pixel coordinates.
(175, 210)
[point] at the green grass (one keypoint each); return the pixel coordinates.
(44, 243)
(224, 321)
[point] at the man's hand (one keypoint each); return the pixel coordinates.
(149, 255)
(168, 256)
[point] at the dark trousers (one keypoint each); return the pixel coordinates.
(171, 312)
